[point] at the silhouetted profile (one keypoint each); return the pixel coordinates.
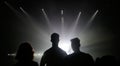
(53, 56)
(78, 58)
(25, 55)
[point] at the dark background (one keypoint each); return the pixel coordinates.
(11, 35)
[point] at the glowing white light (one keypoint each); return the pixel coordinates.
(12, 54)
(38, 54)
(35, 54)
(65, 44)
(62, 23)
(61, 12)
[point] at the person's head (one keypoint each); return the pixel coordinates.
(25, 52)
(75, 44)
(55, 39)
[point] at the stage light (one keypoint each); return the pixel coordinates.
(65, 35)
(90, 21)
(65, 45)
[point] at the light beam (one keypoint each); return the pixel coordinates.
(31, 22)
(75, 24)
(64, 40)
(62, 23)
(92, 18)
(30, 19)
(90, 21)
(47, 19)
(14, 10)
(27, 15)
(77, 20)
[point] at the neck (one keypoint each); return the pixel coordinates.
(54, 45)
(76, 51)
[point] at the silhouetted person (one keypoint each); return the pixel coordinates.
(53, 56)
(106, 60)
(24, 55)
(78, 58)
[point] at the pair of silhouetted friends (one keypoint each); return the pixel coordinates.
(54, 56)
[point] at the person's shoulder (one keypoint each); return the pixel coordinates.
(47, 51)
(62, 51)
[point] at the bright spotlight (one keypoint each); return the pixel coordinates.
(65, 45)
(61, 12)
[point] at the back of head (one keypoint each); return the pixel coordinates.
(55, 38)
(75, 43)
(25, 52)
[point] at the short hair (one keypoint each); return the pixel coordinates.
(54, 36)
(76, 41)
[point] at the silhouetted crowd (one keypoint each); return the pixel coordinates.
(55, 56)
